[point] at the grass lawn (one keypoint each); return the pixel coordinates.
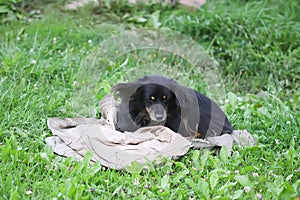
(256, 44)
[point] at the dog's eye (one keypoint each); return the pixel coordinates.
(152, 98)
(164, 97)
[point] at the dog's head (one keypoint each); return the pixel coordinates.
(156, 99)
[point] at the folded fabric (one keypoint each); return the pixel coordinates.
(74, 137)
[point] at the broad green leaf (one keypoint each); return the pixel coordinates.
(164, 183)
(213, 180)
(224, 188)
(79, 191)
(247, 114)
(296, 185)
(264, 111)
(278, 180)
(96, 167)
(196, 159)
(191, 183)
(135, 168)
(233, 100)
(224, 155)
(243, 180)
(72, 191)
(138, 19)
(180, 164)
(14, 195)
(4, 9)
(204, 158)
(87, 159)
(154, 19)
(246, 169)
(287, 192)
(274, 188)
(204, 188)
(180, 175)
(290, 156)
(165, 193)
(237, 194)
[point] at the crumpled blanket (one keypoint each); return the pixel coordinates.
(74, 137)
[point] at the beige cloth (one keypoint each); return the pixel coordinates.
(74, 137)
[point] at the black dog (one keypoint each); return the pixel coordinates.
(154, 104)
(156, 100)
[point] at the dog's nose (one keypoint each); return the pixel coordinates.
(159, 116)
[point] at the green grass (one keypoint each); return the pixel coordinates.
(257, 46)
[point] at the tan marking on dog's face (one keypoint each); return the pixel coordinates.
(157, 113)
(148, 109)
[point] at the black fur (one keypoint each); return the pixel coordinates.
(188, 112)
(141, 99)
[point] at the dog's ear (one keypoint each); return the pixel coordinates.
(122, 87)
(122, 92)
(125, 90)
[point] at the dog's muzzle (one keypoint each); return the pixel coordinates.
(157, 112)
